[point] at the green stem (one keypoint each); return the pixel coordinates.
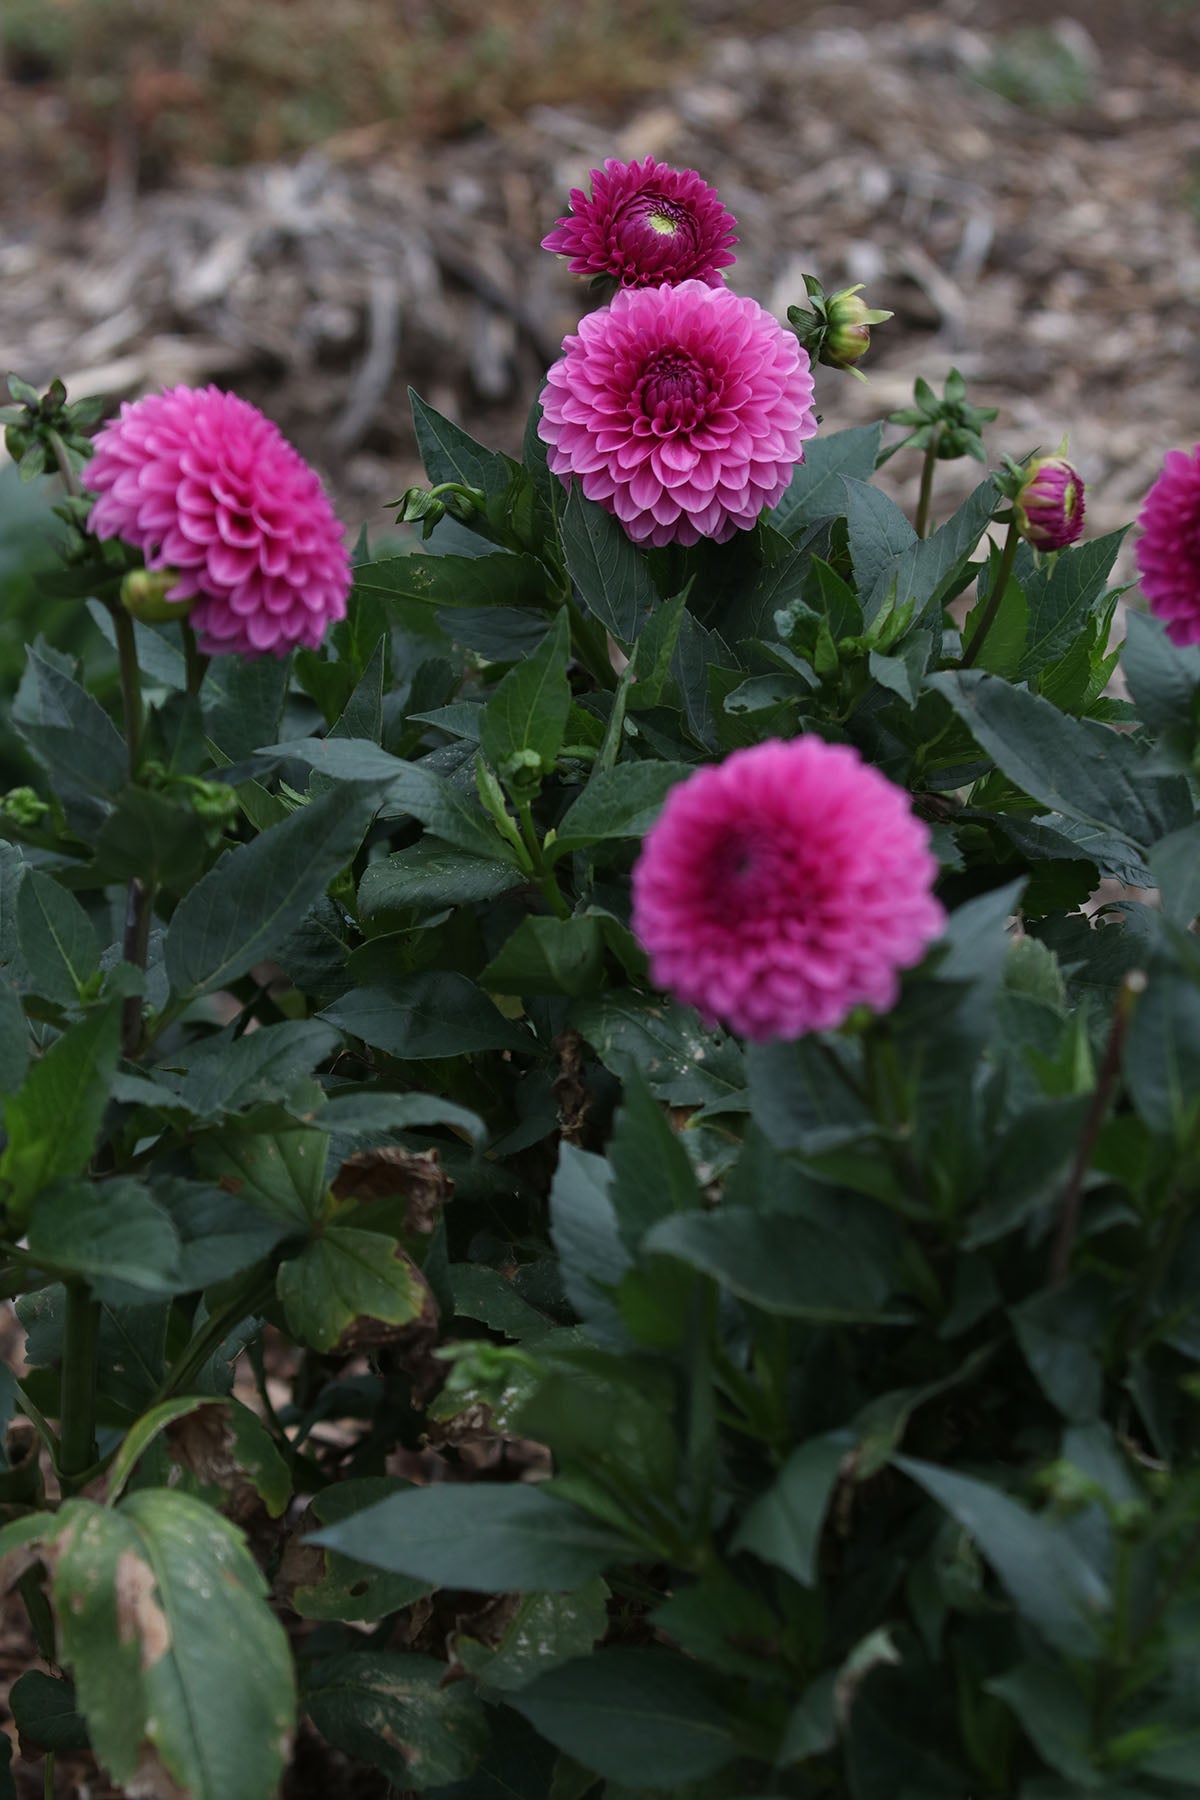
(213, 1334)
(543, 874)
(610, 749)
(996, 600)
(69, 478)
(926, 493)
(48, 1780)
(589, 644)
(77, 1411)
(196, 664)
(139, 901)
(1130, 992)
(131, 687)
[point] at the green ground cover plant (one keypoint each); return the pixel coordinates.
(543, 1252)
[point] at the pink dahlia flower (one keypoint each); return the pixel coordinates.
(1168, 553)
(204, 485)
(683, 410)
(645, 224)
(1050, 505)
(785, 886)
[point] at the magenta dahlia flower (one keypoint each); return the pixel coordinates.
(683, 410)
(645, 224)
(1050, 505)
(203, 484)
(783, 887)
(1168, 553)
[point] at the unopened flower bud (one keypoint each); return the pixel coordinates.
(848, 337)
(1050, 506)
(23, 806)
(144, 596)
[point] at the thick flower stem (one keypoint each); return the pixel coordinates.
(196, 664)
(70, 479)
(1131, 990)
(81, 1328)
(139, 900)
(543, 874)
(926, 493)
(1007, 558)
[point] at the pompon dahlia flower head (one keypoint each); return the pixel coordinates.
(782, 888)
(205, 485)
(1168, 552)
(682, 410)
(643, 224)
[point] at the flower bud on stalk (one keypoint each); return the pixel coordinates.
(1049, 507)
(144, 596)
(837, 332)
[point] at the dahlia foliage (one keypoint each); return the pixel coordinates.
(601, 1161)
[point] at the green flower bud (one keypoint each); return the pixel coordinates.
(23, 806)
(144, 596)
(848, 337)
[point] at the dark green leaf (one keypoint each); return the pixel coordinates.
(1045, 1574)
(110, 1232)
(1061, 595)
(58, 940)
(651, 1175)
(281, 1174)
(783, 1526)
(484, 1538)
(802, 1095)
(548, 956)
(451, 454)
(148, 835)
(255, 895)
(410, 789)
(498, 580)
(434, 1012)
(428, 876)
(1175, 866)
(164, 1623)
(583, 1228)
(1054, 1711)
(1162, 1052)
(396, 1713)
(527, 714)
(1084, 770)
(644, 1716)
(228, 1074)
(338, 1587)
(346, 1275)
(219, 1234)
(816, 489)
(682, 1062)
(14, 1040)
(243, 702)
(545, 1630)
(799, 1268)
(53, 1121)
(1164, 678)
(362, 715)
(68, 730)
(46, 1715)
(879, 534)
(617, 803)
(609, 571)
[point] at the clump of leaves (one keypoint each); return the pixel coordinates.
(637, 1411)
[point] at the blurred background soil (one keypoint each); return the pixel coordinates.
(320, 203)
